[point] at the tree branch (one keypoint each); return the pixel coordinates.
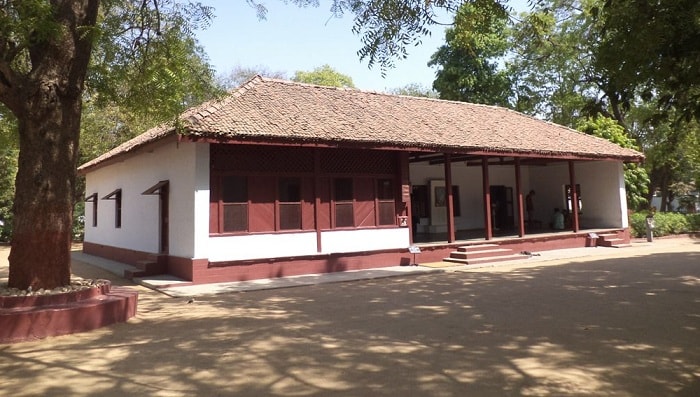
(9, 81)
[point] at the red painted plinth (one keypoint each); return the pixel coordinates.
(36, 317)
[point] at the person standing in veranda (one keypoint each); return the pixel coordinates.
(530, 206)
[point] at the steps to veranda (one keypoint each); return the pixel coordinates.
(612, 240)
(483, 253)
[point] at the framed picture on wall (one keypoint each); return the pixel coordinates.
(440, 196)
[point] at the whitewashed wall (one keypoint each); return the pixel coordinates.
(602, 184)
(364, 240)
(140, 215)
(261, 246)
(603, 192)
(299, 244)
(469, 180)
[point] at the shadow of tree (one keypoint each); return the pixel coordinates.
(622, 327)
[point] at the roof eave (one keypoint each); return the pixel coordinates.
(120, 155)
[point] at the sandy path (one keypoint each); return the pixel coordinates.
(623, 325)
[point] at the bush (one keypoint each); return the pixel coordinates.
(693, 222)
(666, 223)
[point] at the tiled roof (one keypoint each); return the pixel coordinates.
(282, 111)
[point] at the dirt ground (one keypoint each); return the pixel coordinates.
(626, 324)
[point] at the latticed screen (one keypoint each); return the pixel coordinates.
(289, 193)
(386, 204)
(235, 203)
(267, 188)
(246, 158)
(343, 195)
(356, 161)
(235, 217)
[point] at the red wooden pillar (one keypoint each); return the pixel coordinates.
(487, 197)
(317, 197)
(574, 197)
(450, 200)
(405, 186)
(519, 194)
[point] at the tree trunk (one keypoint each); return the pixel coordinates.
(43, 206)
(47, 103)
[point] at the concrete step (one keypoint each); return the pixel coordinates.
(482, 260)
(145, 268)
(477, 247)
(609, 242)
(480, 253)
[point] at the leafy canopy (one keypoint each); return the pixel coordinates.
(324, 75)
(468, 63)
(636, 177)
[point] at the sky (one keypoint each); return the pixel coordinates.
(293, 38)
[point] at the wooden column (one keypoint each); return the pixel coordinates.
(487, 197)
(317, 198)
(450, 199)
(405, 193)
(519, 195)
(574, 197)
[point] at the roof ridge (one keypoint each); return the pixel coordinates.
(204, 110)
(382, 93)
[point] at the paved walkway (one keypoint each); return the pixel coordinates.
(600, 322)
(169, 285)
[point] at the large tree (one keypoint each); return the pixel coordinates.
(468, 62)
(45, 50)
(653, 45)
(42, 72)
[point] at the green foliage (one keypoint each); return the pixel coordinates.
(78, 227)
(414, 89)
(636, 178)
(552, 65)
(665, 223)
(468, 62)
(8, 171)
(240, 74)
(660, 57)
(166, 69)
(324, 75)
(693, 222)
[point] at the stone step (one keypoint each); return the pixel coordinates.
(485, 253)
(482, 260)
(477, 247)
(145, 268)
(609, 242)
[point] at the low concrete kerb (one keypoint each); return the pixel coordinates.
(174, 287)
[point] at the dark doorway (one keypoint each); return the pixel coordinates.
(502, 211)
(420, 204)
(164, 218)
(162, 190)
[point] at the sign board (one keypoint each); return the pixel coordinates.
(414, 249)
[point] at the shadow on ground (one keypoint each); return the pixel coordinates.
(613, 327)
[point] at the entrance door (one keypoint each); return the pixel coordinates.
(164, 199)
(162, 189)
(502, 211)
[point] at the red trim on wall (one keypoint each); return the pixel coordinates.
(201, 271)
(123, 255)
